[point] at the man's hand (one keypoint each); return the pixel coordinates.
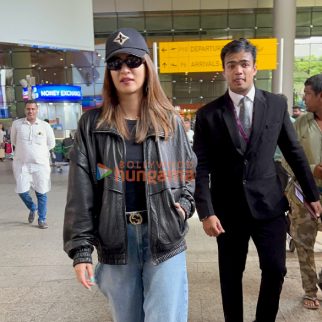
(212, 226)
(84, 274)
(317, 208)
(317, 172)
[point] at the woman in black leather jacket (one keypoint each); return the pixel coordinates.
(130, 191)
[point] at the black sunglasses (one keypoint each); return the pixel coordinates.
(116, 63)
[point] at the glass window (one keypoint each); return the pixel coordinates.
(21, 59)
(131, 22)
(263, 74)
(241, 33)
(163, 22)
(52, 76)
(80, 75)
(20, 73)
(99, 58)
(5, 59)
(99, 75)
(105, 24)
(303, 32)
(214, 21)
(264, 84)
(208, 89)
(187, 36)
(317, 18)
(303, 18)
(157, 37)
(264, 32)
(264, 20)
(49, 58)
(167, 87)
(98, 89)
(186, 22)
(20, 107)
(214, 34)
(18, 93)
(316, 31)
(220, 87)
(86, 90)
(80, 59)
(241, 20)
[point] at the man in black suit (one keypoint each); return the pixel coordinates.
(238, 193)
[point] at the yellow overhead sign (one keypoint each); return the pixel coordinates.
(204, 56)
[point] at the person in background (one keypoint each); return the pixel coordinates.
(32, 138)
(304, 228)
(130, 191)
(235, 140)
(296, 112)
(189, 131)
(2, 137)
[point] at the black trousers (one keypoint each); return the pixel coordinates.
(269, 237)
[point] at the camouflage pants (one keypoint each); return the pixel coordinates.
(304, 231)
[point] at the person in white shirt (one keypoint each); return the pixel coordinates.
(33, 138)
(189, 131)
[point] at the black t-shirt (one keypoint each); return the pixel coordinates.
(135, 197)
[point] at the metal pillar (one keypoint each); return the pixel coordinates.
(284, 17)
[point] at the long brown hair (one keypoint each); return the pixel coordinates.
(156, 112)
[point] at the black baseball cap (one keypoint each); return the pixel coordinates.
(125, 41)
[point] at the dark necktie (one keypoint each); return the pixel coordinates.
(244, 115)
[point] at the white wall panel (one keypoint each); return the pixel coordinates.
(100, 6)
(154, 5)
(305, 3)
(265, 3)
(128, 6)
(48, 23)
(211, 4)
(188, 4)
(242, 4)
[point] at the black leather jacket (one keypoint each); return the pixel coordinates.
(95, 210)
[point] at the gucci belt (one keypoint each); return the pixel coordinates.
(136, 217)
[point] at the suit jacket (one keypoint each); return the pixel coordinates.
(246, 177)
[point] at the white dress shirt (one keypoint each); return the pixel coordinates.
(236, 100)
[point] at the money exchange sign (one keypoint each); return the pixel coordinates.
(204, 56)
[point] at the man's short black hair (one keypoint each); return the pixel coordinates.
(237, 46)
(315, 82)
(30, 102)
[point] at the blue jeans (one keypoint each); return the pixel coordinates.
(141, 291)
(42, 203)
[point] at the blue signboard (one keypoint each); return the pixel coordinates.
(57, 93)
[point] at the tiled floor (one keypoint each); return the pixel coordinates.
(37, 281)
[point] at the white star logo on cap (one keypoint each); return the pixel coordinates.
(121, 38)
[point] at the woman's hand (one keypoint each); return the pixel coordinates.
(85, 275)
(180, 210)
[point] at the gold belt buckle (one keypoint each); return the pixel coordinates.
(135, 218)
